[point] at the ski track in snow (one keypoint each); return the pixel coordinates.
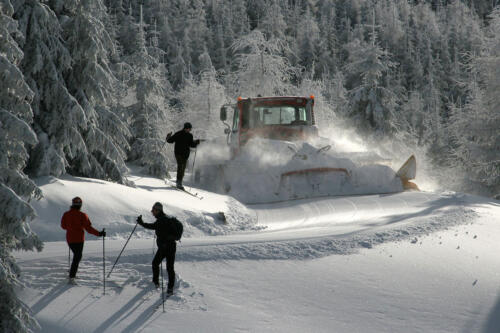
(292, 230)
(46, 280)
(134, 268)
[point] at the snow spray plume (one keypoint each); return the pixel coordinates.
(392, 152)
(266, 153)
(212, 151)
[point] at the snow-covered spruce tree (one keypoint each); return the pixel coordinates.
(337, 94)
(328, 47)
(476, 124)
(201, 99)
(149, 116)
(227, 21)
(91, 81)
(273, 23)
(59, 120)
(127, 31)
(371, 104)
(197, 33)
(15, 188)
(261, 67)
(308, 42)
(178, 69)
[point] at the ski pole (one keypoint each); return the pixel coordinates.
(192, 169)
(69, 266)
(103, 264)
(122, 250)
(153, 247)
(162, 290)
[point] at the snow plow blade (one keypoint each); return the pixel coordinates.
(408, 171)
(309, 173)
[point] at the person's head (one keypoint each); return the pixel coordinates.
(187, 127)
(157, 209)
(76, 203)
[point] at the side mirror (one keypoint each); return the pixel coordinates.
(227, 130)
(223, 113)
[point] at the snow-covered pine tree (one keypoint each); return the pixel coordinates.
(337, 94)
(128, 33)
(476, 124)
(59, 120)
(391, 27)
(371, 104)
(227, 20)
(262, 69)
(149, 116)
(197, 33)
(91, 81)
(308, 42)
(15, 188)
(328, 48)
(201, 99)
(273, 24)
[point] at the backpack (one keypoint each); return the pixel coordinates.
(178, 228)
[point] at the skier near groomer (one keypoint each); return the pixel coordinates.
(75, 222)
(183, 140)
(165, 239)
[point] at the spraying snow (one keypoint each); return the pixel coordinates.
(274, 170)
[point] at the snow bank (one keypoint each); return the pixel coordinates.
(116, 207)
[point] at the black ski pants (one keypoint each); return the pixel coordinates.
(181, 167)
(165, 250)
(77, 249)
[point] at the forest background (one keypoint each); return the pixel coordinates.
(88, 86)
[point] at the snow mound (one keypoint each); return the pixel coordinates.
(116, 207)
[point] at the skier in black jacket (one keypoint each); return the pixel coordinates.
(183, 142)
(165, 239)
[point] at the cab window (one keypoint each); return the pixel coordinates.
(277, 115)
(236, 117)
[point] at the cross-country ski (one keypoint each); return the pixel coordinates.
(183, 189)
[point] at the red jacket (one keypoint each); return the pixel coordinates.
(74, 222)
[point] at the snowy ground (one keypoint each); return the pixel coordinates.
(407, 262)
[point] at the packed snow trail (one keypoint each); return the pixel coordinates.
(328, 225)
(223, 286)
(445, 281)
(317, 227)
(336, 215)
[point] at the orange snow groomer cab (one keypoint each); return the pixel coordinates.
(277, 118)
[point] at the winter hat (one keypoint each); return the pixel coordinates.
(187, 125)
(77, 201)
(158, 206)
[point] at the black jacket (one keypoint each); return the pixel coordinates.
(183, 141)
(164, 229)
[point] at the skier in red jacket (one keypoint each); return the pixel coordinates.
(75, 222)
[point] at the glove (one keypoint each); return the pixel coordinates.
(102, 233)
(139, 220)
(169, 135)
(197, 141)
